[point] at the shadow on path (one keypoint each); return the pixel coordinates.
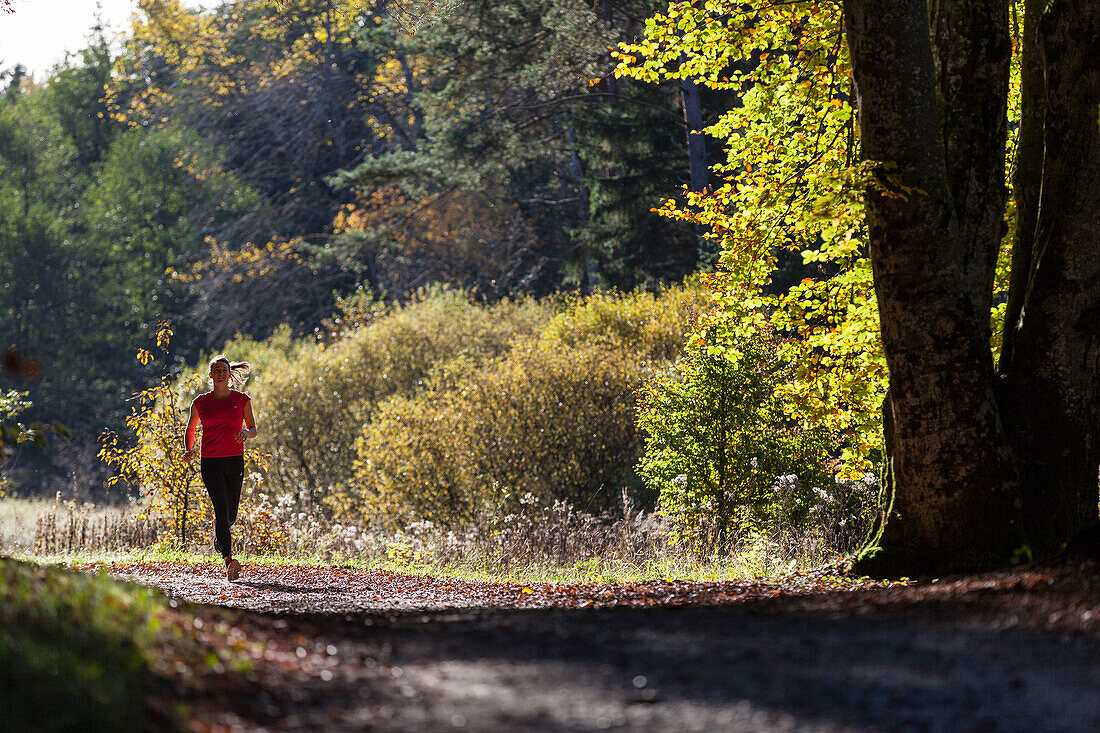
(284, 588)
(755, 666)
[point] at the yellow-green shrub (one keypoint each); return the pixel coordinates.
(549, 420)
(311, 408)
(649, 325)
(154, 462)
(411, 464)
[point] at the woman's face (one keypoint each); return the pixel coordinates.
(219, 373)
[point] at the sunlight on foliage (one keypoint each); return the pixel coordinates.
(718, 442)
(555, 422)
(154, 461)
(553, 418)
(787, 210)
(317, 402)
(248, 262)
(789, 196)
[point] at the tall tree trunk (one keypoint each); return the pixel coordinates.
(971, 51)
(1053, 368)
(950, 465)
(576, 171)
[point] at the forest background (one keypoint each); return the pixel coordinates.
(438, 232)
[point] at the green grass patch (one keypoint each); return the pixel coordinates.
(75, 650)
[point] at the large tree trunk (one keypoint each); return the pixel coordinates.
(950, 465)
(1052, 362)
(971, 51)
(976, 475)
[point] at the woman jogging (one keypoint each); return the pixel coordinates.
(227, 421)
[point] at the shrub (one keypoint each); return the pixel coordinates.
(154, 463)
(311, 407)
(716, 441)
(650, 325)
(315, 403)
(152, 460)
(554, 422)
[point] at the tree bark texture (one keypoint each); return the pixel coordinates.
(950, 464)
(971, 51)
(981, 464)
(1052, 385)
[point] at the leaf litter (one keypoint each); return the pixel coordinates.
(317, 589)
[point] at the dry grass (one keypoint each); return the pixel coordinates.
(539, 542)
(46, 527)
(17, 522)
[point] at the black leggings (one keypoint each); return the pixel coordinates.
(223, 478)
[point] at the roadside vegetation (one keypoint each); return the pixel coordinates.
(563, 438)
(85, 652)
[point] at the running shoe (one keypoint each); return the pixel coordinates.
(232, 570)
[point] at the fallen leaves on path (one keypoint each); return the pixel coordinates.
(313, 589)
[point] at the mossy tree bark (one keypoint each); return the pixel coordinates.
(970, 452)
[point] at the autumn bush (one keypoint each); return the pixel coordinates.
(312, 405)
(651, 325)
(172, 507)
(555, 422)
(553, 418)
(151, 460)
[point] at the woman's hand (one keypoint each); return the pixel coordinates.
(189, 455)
(243, 435)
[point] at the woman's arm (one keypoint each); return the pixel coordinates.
(189, 433)
(250, 430)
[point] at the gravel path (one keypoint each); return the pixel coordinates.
(366, 650)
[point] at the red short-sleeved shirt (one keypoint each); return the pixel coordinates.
(221, 418)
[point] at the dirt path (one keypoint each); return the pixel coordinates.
(359, 650)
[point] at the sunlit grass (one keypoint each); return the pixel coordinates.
(536, 547)
(749, 564)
